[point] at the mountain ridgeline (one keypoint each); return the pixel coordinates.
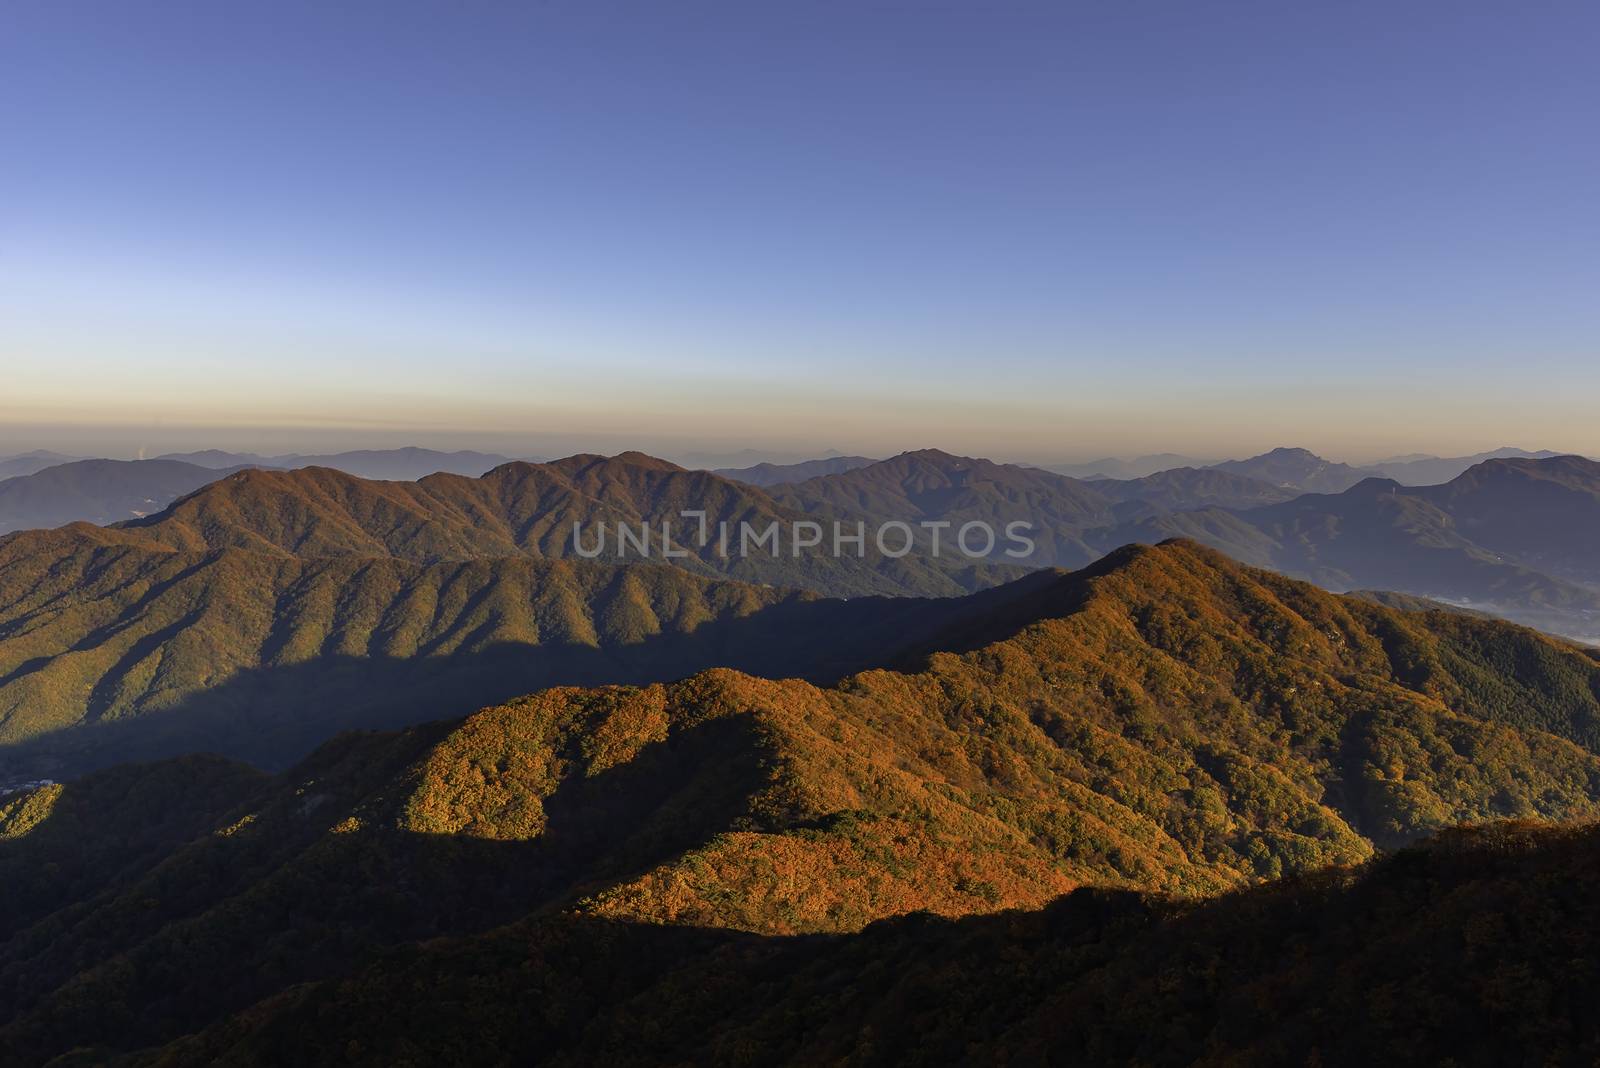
(405, 465)
(1512, 536)
(543, 510)
(190, 629)
(1164, 722)
(185, 629)
(1343, 527)
(772, 474)
(1515, 537)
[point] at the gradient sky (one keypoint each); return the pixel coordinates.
(1041, 231)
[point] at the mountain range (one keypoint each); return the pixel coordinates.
(521, 509)
(1432, 470)
(187, 629)
(402, 465)
(1268, 478)
(1515, 537)
(1193, 775)
(1187, 488)
(1302, 470)
(930, 486)
(770, 474)
(183, 629)
(1138, 467)
(1511, 536)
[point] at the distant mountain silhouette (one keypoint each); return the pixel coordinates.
(1139, 467)
(1298, 469)
(773, 474)
(1432, 470)
(97, 491)
(28, 462)
(404, 465)
(1517, 537)
(934, 486)
(1186, 488)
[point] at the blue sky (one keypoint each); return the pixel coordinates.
(1031, 231)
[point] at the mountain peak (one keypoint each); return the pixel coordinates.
(1285, 452)
(938, 456)
(1300, 469)
(598, 462)
(1573, 470)
(1374, 486)
(634, 458)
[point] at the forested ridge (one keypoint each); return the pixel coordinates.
(1165, 722)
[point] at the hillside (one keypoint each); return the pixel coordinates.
(1165, 721)
(531, 509)
(1544, 514)
(112, 650)
(97, 491)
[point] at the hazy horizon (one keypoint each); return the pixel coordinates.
(689, 452)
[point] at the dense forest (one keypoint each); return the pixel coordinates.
(1141, 736)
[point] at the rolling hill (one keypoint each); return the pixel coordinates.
(1164, 722)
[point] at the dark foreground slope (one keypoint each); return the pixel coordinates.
(1475, 949)
(1164, 722)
